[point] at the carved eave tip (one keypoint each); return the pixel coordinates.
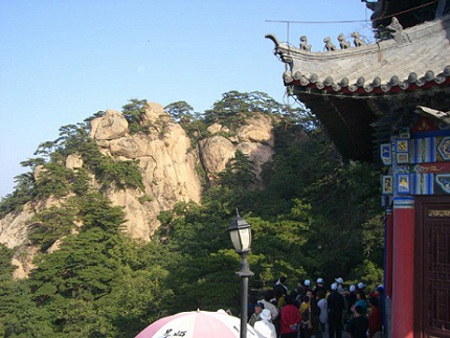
(273, 38)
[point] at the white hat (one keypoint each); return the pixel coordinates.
(334, 286)
(339, 280)
(307, 282)
(352, 288)
(319, 281)
(361, 285)
(265, 314)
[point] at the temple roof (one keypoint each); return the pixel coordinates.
(361, 94)
(418, 57)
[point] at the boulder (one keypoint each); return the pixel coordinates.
(214, 128)
(74, 161)
(125, 146)
(153, 111)
(110, 126)
(216, 151)
(257, 129)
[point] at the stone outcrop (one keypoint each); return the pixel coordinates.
(14, 229)
(216, 152)
(37, 172)
(257, 130)
(169, 164)
(110, 126)
(74, 161)
(254, 139)
(258, 154)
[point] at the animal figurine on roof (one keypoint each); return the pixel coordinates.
(329, 45)
(396, 30)
(304, 43)
(342, 42)
(357, 40)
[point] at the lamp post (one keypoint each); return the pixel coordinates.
(241, 237)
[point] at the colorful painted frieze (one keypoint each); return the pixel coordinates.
(403, 184)
(386, 154)
(388, 185)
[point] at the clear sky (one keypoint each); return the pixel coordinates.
(63, 60)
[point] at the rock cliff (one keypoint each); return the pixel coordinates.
(169, 164)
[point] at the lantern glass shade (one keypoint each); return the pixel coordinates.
(241, 235)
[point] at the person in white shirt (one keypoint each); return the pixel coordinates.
(268, 305)
(322, 303)
(264, 327)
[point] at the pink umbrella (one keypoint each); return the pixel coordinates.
(197, 324)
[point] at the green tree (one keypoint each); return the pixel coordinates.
(52, 224)
(24, 191)
(234, 106)
(54, 179)
(83, 267)
(133, 112)
(22, 317)
(239, 172)
(137, 299)
(181, 111)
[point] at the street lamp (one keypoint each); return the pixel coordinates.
(241, 237)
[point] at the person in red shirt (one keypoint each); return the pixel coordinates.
(375, 318)
(290, 319)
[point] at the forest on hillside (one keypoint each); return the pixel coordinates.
(317, 216)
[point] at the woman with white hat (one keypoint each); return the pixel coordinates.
(264, 327)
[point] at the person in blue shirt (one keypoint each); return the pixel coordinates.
(362, 301)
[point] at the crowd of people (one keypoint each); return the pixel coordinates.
(317, 311)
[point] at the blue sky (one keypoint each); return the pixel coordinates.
(61, 61)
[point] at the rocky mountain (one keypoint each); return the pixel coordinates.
(172, 167)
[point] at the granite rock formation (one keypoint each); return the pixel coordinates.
(169, 164)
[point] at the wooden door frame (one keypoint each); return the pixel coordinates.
(421, 303)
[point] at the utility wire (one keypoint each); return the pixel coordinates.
(317, 22)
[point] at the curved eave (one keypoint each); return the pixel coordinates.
(361, 91)
(418, 58)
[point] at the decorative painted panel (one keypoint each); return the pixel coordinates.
(385, 151)
(431, 168)
(443, 148)
(430, 178)
(423, 150)
(422, 184)
(443, 181)
(419, 166)
(387, 184)
(403, 184)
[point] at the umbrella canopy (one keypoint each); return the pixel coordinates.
(197, 324)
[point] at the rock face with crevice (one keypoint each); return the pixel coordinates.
(169, 165)
(166, 161)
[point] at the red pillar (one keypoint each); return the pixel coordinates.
(388, 254)
(403, 268)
